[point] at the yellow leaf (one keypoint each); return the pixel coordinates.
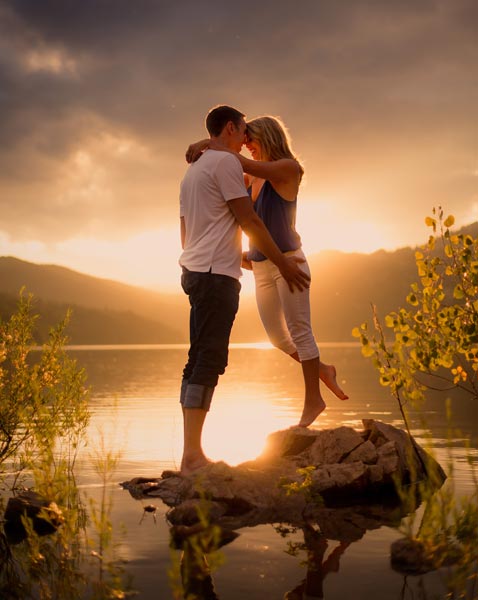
(367, 351)
(389, 321)
(449, 221)
(429, 222)
(356, 332)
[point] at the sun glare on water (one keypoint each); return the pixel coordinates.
(237, 429)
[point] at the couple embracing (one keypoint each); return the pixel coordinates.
(221, 194)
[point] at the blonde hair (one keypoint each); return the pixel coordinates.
(274, 138)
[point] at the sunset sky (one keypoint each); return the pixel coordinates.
(100, 98)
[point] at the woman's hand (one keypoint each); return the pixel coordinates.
(195, 150)
(246, 263)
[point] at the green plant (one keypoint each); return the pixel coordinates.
(433, 344)
(43, 420)
(434, 341)
(111, 580)
(43, 400)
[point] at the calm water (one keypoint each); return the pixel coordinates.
(134, 399)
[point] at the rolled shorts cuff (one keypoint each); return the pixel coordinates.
(184, 385)
(196, 395)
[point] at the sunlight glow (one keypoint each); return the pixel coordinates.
(148, 259)
(322, 227)
(471, 215)
(237, 429)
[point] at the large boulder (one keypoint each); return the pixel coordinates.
(300, 471)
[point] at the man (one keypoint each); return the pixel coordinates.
(214, 205)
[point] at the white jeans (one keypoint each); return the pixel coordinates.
(285, 315)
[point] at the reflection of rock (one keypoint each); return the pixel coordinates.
(349, 524)
(206, 538)
(45, 515)
(349, 467)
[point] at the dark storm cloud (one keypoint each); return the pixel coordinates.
(78, 79)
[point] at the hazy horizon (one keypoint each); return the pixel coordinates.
(173, 285)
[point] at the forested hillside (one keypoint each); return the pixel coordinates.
(104, 311)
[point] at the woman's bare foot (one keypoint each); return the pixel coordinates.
(311, 411)
(192, 463)
(328, 375)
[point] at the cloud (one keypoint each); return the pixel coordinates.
(99, 98)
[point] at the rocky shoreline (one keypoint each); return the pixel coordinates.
(301, 472)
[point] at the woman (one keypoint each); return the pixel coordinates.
(273, 178)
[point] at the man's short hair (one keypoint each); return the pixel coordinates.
(218, 117)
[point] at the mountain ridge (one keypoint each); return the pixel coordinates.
(344, 285)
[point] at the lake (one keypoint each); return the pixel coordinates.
(135, 410)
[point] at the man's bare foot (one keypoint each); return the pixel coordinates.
(192, 463)
(311, 412)
(328, 375)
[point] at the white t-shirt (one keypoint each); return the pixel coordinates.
(213, 236)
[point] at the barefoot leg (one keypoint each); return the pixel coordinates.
(314, 403)
(328, 375)
(193, 455)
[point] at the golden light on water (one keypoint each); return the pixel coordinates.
(237, 429)
(261, 392)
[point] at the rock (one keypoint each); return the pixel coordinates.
(366, 453)
(388, 458)
(334, 445)
(375, 473)
(172, 490)
(288, 442)
(139, 486)
(348, 475)
(347, 467)
(414, 464)
(409, 556)
(189, 512)
(412, 556)
(45, 515)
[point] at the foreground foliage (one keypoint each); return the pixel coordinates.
(433, 344)
(434, 341)
(44, 416)
(43, 399)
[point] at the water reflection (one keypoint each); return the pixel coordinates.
(325, 538)
(199, 545)
(318, 567)
(261, 390)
